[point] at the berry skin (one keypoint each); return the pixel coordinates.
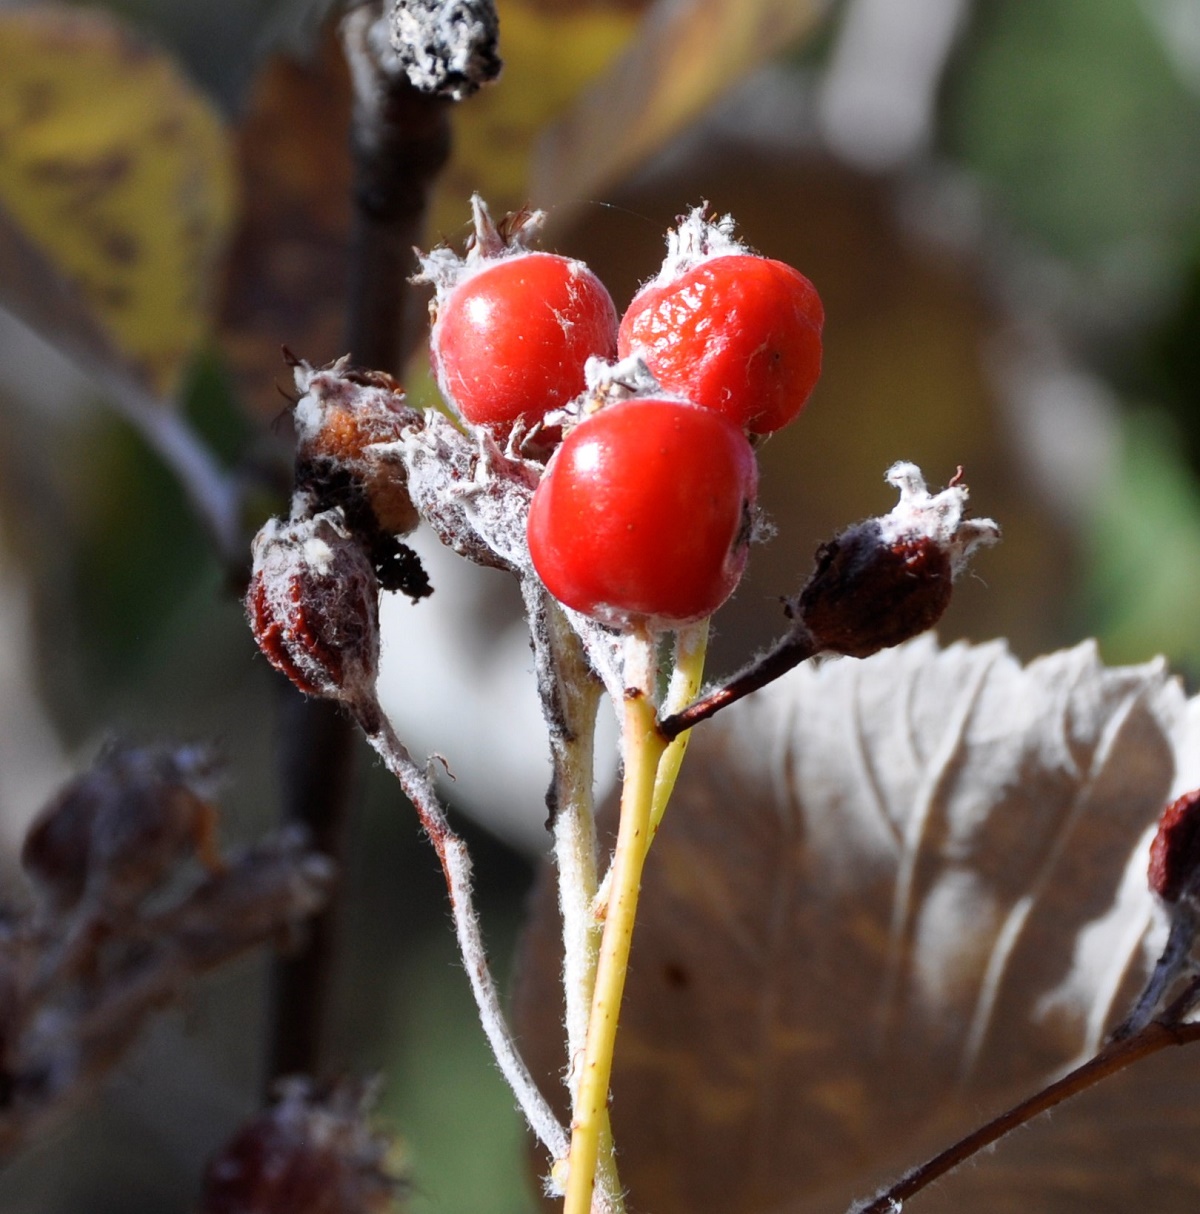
(313, 605)
(1175, 852)
(738, 334)
(645, 513)
(510, 340)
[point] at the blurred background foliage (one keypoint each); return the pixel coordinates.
(1000, 203)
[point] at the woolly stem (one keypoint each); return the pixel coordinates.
(456, 866)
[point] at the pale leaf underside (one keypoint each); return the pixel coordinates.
(891, 897)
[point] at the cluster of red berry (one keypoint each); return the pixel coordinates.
(645, 508)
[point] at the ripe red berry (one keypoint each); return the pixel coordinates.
(737, 333)
(645, 512)
(510, 341)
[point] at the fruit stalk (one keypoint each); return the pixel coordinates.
(691, 646)
(644, 748)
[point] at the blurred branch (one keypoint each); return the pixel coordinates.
(38, 294)
(103, 948)
(213, 494)
(400, 137)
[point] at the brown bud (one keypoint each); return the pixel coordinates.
(309, 1154)
(1175, 852)
(313, 604)
(887, 579)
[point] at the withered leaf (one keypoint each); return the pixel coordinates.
(286, 277)
(891, 897)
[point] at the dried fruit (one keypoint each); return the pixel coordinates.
(313, 604)
(310, 1153)
(887, 579)
(120, 828)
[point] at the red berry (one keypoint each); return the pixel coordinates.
(645, 512)
(509, 341)
(739, 334)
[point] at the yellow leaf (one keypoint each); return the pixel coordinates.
(118, 172)
(551, 52)
(683, 58)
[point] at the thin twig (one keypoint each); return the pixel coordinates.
(691, 645)
(1113, 1058)
(456, 866)
(786, 654)
(570, 693)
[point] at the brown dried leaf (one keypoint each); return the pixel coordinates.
(891, 896)
(286, 279)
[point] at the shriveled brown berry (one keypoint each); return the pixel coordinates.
(1175, 852)
(345, 417)
(313, 604)
(887, 579)
(866, 594)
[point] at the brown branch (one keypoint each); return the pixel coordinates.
(786, 654)
(1114, 1057)
(400, 140)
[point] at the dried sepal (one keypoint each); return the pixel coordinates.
(474, 495)
(313, 605)
(887, 579)
(490, 240)
(697, 237)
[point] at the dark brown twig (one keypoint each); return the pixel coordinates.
(796, 647)
(400, 141)
(1119, 1053)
